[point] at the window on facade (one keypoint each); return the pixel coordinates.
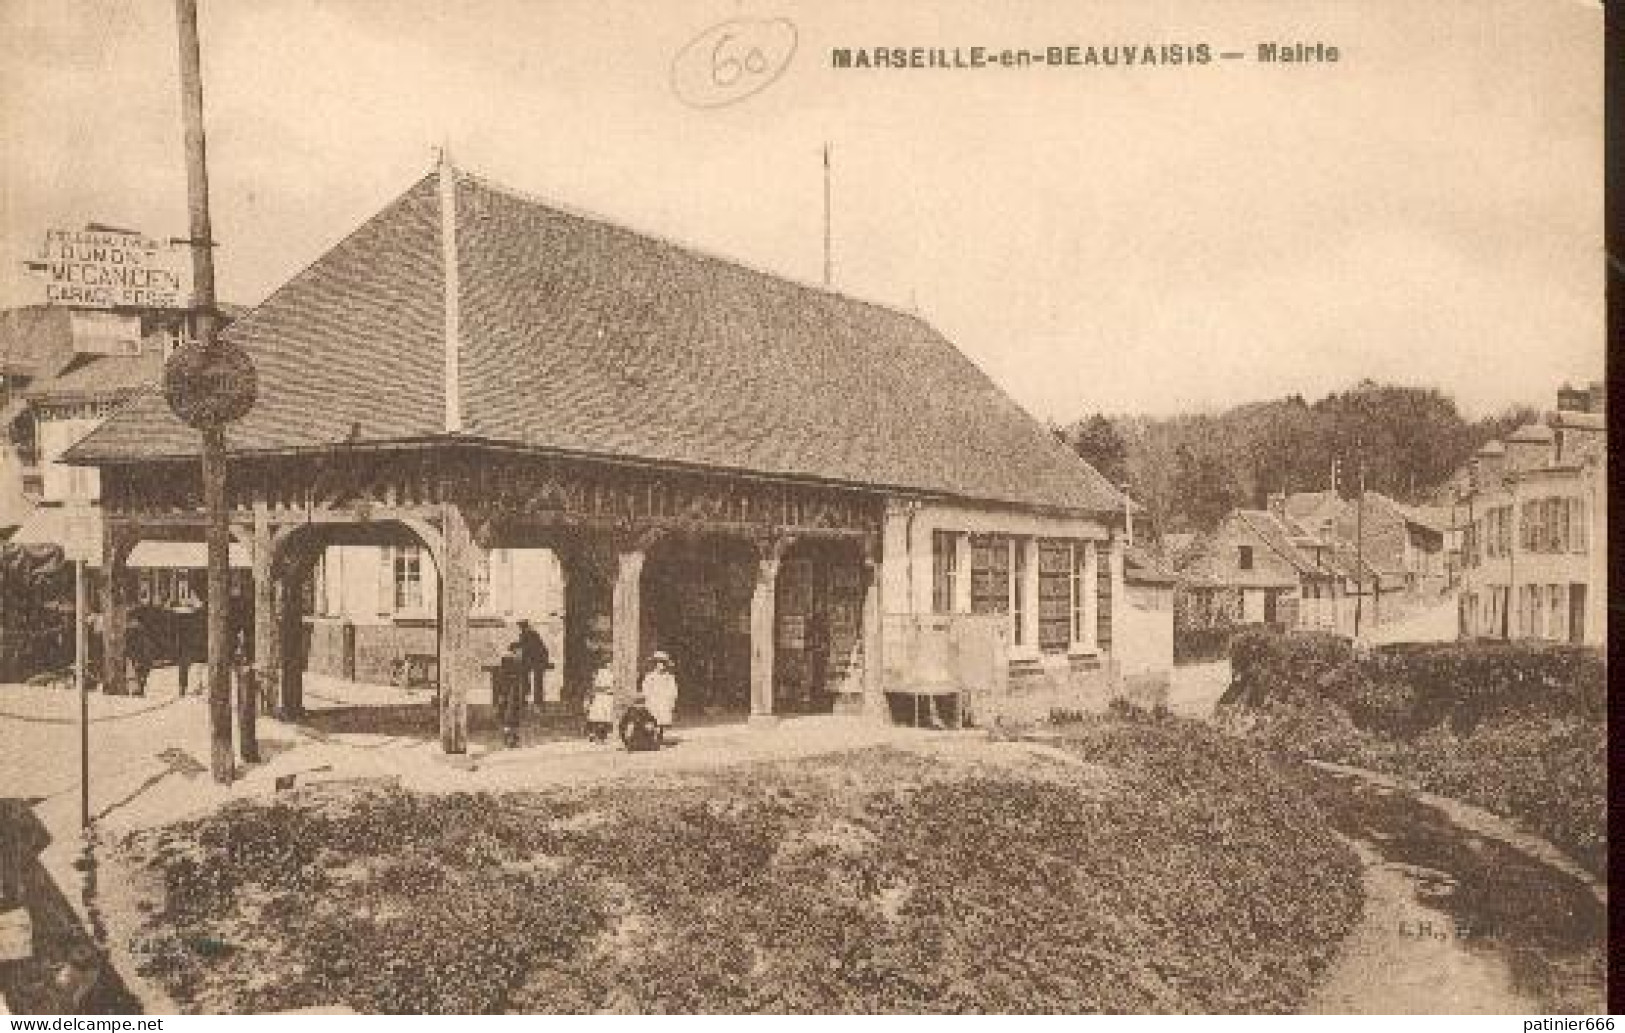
(1080, 586)
(1244, 557)
(1557, 612)
(480, 579)
(408, 578)
(1020, 619)
(318, 574)
(990, 574)
(176, 338)
(1579, 530)
(332, 568)
(944, 570)
(1056, 613)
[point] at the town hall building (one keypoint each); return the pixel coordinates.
(479, 408)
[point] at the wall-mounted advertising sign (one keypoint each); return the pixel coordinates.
(115, 269)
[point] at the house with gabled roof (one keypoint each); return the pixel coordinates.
(1405, 544)
(775, 483)
(1259, 566)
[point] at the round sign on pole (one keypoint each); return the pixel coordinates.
(210, 386)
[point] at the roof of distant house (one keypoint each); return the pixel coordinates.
(1566, 420)
(1142, 568)
(1176, 544)
(1277, 536)
(102, 377)
(1532, 433)
(582, 338)
(35, 340)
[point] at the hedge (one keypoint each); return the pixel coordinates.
(1516, 728)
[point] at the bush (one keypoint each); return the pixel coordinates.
(1273, 666)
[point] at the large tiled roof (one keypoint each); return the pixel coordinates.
(581, 337)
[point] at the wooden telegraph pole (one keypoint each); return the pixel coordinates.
(208, 384)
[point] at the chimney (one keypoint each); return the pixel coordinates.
(1276, 503)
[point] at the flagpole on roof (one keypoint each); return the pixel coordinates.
(829, 260)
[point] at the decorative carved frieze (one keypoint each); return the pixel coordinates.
(354, 485)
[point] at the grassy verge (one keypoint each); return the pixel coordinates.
(1125, 867)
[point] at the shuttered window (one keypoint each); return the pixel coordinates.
(944, 570)
(1103, 616)
(1055, 595)
(989, 573)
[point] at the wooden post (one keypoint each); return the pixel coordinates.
(115, 611)
(248, 740)
(874, 699)
(267, 628)
(456, 603)
(218, 536)
(290, 659)
(82, 683)
(763, 600)
(626, 617)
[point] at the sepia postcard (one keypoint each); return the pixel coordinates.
(767, 507)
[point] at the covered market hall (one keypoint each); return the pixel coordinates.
(763, 479)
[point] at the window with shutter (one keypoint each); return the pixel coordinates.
(1055, 592)
(1103, 606)
(990, 574)
(944, 570)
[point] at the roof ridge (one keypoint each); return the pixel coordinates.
(577, 212)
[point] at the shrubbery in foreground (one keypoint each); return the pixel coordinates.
(1517, 729)
(1175, 871)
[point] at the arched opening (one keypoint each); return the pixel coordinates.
(359, 608)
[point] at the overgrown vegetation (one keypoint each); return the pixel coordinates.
(1517, 729)
(1162, 868)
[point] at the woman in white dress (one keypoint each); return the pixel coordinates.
(660, 689)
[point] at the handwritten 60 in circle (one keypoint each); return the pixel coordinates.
(732, 61)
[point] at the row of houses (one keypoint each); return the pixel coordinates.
(1312, 560)
(1531, 517)
(1519, 533)
(480, 408)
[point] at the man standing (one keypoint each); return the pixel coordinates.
(183, 633)
(533, 663)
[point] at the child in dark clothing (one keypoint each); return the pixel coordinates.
(638, 729)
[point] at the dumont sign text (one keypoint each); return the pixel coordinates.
(111, 269)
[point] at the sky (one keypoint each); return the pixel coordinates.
(1154, 239)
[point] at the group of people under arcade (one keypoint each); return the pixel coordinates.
(640, 725)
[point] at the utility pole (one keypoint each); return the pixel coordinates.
(80, 654)
(204, 326)
(1359, 550)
